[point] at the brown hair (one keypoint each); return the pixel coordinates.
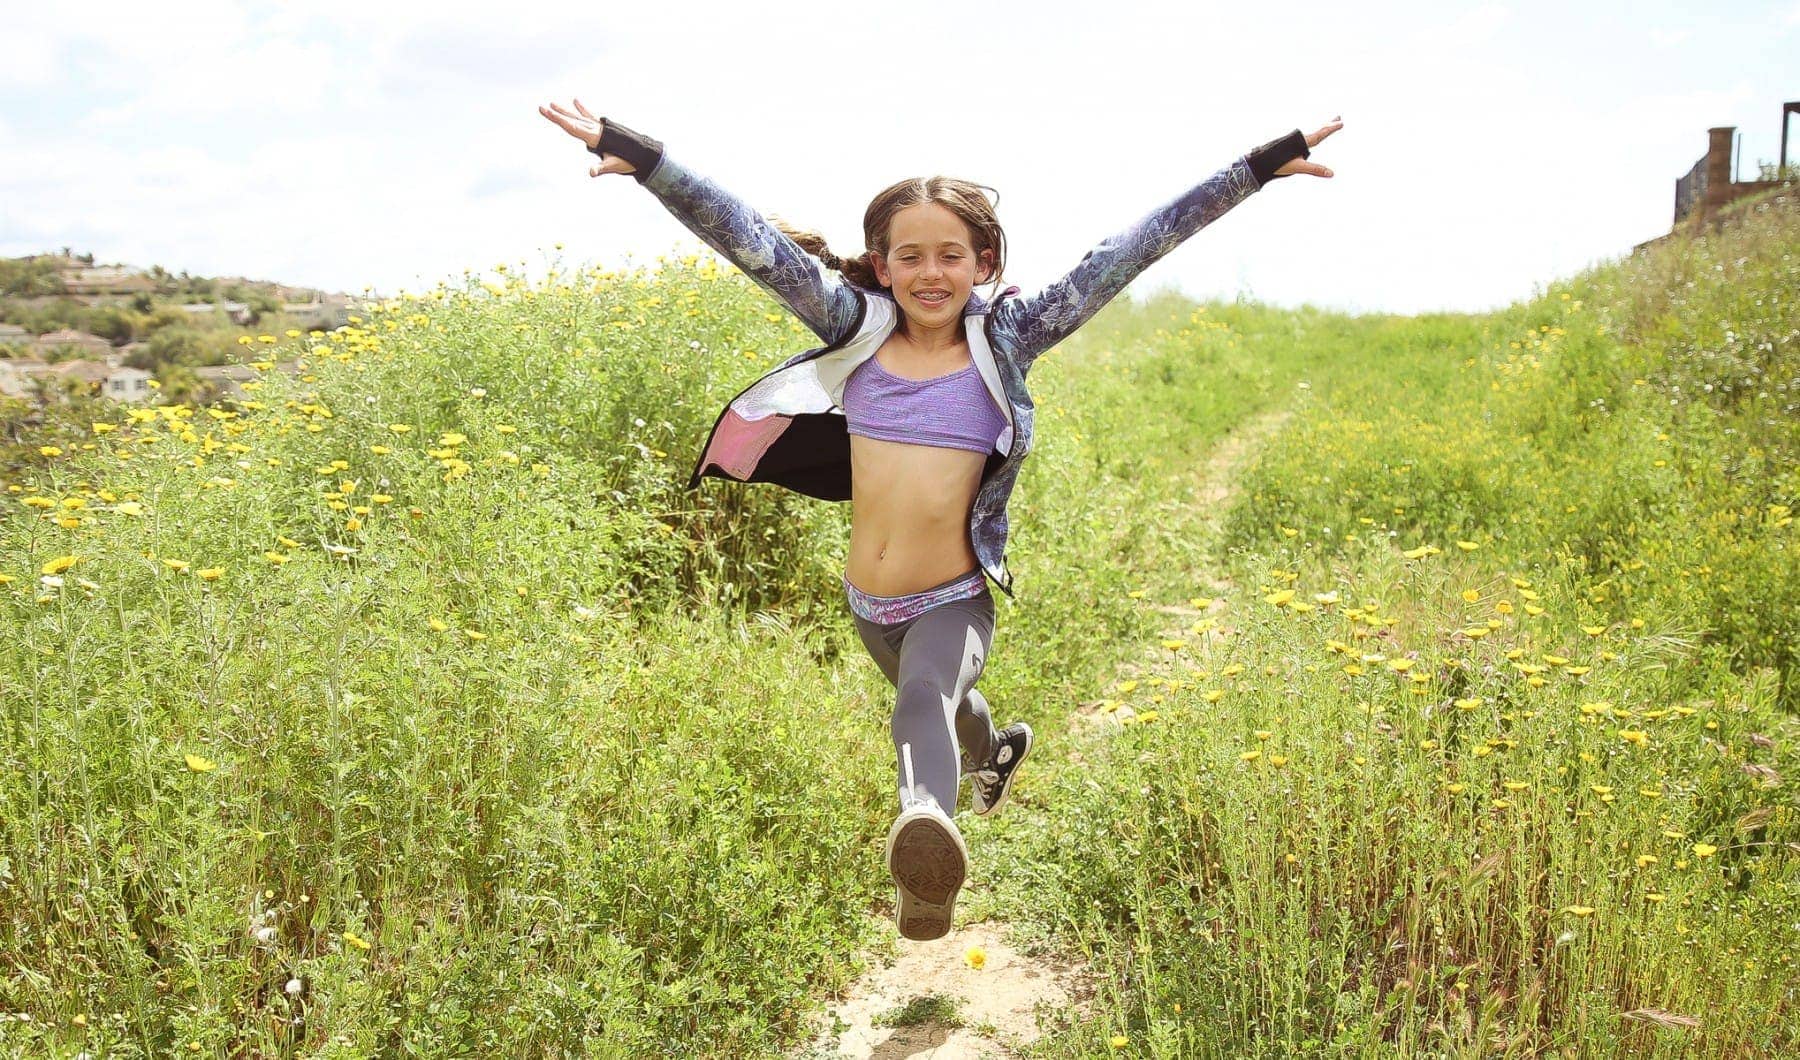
(960, 197)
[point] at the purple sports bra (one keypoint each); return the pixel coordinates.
(953, 411)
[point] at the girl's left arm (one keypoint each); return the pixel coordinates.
(1041, 320)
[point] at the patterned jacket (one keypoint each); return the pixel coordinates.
(788, 427)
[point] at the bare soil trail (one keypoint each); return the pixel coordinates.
(986, 990)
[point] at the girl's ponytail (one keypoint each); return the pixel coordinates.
(857, 269)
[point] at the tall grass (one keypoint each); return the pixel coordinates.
(414, 707)
(1488, 749)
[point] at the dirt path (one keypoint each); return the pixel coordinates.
(928, 999)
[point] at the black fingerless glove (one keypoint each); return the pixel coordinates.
(642, 152)
(1268, 158)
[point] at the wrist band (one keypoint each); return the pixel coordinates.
(641, 151)
(1268, 158)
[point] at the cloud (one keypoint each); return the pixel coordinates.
(32, 59)
(461, 59)
(505, 181)
(340, 144)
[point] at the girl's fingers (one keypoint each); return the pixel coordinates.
(1301, 165)
(584, 111)
(559, 119)
(580, 128)
(1316, 138)
(575, 119)
(611, 164)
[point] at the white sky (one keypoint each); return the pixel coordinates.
(1488, 147)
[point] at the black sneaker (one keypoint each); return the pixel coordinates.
(990, 783)
(927, 858)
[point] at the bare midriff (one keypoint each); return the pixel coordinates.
(909, 504)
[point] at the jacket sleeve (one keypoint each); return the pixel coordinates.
(1041, 320)
(821, 298)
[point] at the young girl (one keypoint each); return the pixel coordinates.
(916, 412)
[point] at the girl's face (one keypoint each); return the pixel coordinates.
(931, 264)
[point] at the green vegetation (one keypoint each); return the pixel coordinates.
(941, 1009)
(413, 707)
(1487, 751)
(34, 296)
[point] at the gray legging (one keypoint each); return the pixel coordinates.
(933, 660)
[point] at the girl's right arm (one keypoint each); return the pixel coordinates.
(821, 298)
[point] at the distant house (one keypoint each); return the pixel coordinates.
(18, 375)
(105, 279)
(90, 372)
(226, 380)
(238, 312)
(69, 341)
(325, 313)
(126, 384)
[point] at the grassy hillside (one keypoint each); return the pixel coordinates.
(413, 707)
(420, 681)
(1489, 747)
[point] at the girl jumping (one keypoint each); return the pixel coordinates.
(915, 411)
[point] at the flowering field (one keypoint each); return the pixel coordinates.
(412, 706)
(1487, 745)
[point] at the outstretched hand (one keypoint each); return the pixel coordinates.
(583, 126)
(1301, 165)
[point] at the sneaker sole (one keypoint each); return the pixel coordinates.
(1000, 800)
(929, 863)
